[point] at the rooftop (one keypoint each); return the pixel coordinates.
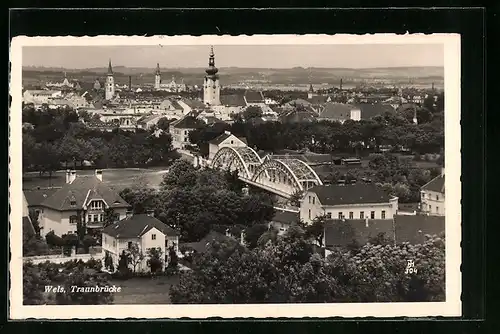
(436, 184)
(188, 122)
(350, 194)
(136, 226)
(78, 191)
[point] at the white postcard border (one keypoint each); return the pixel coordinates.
(452, 306)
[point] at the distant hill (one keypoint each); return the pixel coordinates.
(234, 75)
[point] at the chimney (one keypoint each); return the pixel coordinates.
(366, 222)
(150, 213)
(129, 214)
(227, 132)
(98, 174)
(70, 176)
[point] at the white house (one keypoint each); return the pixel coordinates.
(227, 139)
(432, 196)
(143, 231)
(358, 201)
(82, 198)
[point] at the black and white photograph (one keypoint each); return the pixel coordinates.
(235, 176)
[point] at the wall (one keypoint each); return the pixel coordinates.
(433, 202)
(57, 221)
(147, 242)
(312, 203)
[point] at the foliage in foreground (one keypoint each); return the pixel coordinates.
(288, 271)
(72, 273)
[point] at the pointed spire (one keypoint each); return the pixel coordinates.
(311, 89)
(211, 70)
(110, 68)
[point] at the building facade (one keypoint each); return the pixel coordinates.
(211, 84)
(83, 199)
(433, 196)
(180, 129)
(141, 232)
(227, 139)
(358, 201)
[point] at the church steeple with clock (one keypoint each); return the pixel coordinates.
(211, 85)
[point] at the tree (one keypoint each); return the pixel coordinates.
(252, 112)
(136, 256)
(110, 217)
(181, 174)
(253, 233)
(108, 262)
(296, 198)
(163, 124)
(123, 263)
(173, 258)
(316, 229)
(155, 259)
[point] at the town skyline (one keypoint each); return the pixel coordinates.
(237, 56)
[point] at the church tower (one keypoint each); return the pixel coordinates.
(211, 85)
(157, 76)
(310, 94)
(110, 83)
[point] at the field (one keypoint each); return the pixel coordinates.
(144, 290)
(117, 179)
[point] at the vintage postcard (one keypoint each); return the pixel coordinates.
(235, 176)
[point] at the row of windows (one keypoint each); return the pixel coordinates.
(90, 218)
(351, 215)
(429, 196)
(313, 199)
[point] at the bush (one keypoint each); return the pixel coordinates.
(54, 240)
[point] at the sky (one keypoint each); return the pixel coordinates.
(245, 56)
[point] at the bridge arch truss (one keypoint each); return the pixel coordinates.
(243, 159)
(288, 175)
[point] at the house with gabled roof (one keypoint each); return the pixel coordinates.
(226, 139)
(432, 196)
(354, 201)
(143, 231)
(83, 199)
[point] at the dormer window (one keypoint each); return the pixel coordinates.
(96, 205)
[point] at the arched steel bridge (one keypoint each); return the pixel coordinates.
(281, 175)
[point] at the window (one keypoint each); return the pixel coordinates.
(96, 218)
(372, 215)
(309, 213)
(341, 215)
(351, 215)
(383, 214)
(430, 208)
(96, 205)
(129, 245)
(309, 199)
(329, 215)
(437, 197)
(89, 218)
(314, 200)
(101, 217)
(114, 243)
(362, 215)
(153, 236)
(437, 209)
(232, 142)
(73, 219)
